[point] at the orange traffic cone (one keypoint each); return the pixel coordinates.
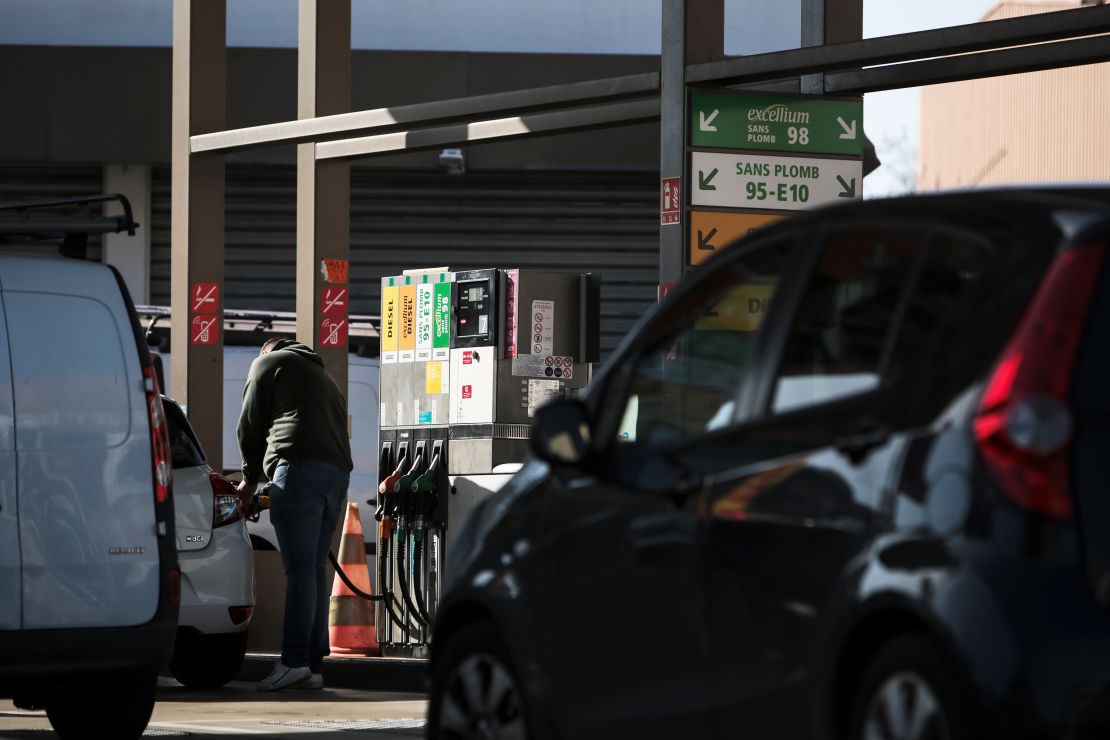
(351, 618)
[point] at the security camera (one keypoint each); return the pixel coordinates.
(453, 161)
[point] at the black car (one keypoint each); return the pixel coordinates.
(846, 481)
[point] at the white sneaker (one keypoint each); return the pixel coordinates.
(283, 676)
(314, 681)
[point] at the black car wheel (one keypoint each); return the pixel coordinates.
(475, 691)
(908, 693)
(103, 708)
(207, 661)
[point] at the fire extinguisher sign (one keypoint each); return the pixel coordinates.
(670, 200)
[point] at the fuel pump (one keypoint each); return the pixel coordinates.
(520, 338)
(467, 358)
(415, 386)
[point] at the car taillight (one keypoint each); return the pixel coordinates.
(1023, 427)
(159, 437)
(227, 505)
(239, 614)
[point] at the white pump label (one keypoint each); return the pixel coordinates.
(543, 327)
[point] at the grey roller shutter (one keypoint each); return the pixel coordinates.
(600, 222)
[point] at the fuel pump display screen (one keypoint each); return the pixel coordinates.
(474, 313)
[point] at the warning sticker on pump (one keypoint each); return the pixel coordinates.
(541, 393)
(556, 367)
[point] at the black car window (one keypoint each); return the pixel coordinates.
(935, 323)
(836, 345)
(184, 447)
(686, 380)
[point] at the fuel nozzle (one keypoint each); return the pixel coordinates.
(260, 501)
(404, 487)
(427, 482)
(424, 490)
(387, 488)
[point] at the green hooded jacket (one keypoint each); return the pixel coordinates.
(293, 411)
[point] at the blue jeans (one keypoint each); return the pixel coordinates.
(305, 501)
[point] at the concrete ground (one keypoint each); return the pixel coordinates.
(239, 711)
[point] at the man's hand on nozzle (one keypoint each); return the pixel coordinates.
(246, 488)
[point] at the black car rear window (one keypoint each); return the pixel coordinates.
(185, 448)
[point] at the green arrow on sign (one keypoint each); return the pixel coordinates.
(849, 190)
(704, 180)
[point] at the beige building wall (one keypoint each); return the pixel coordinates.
(1039, 127)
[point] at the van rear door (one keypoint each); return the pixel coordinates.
(87, 527)
(10, 578)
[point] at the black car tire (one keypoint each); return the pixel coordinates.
(207, 661)
(103, 708)
(478, 655)
(911, 672)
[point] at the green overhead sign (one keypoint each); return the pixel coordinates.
(781, 123)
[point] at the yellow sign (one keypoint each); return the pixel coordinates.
(742, 309)
(433, 378)
(407, 333)
(390, 323)
(711, 231)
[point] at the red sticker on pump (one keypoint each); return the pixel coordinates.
(468, 358)
(467, 391)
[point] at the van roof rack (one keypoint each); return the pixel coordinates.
(40, 222)
(251, 328)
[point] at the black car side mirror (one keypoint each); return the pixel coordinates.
(561, 433)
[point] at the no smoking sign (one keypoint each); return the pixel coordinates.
(205, 298)
(333, 300)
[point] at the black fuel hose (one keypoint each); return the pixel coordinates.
(402, 562)
(383, 562)
(384, 596)
(417, 548)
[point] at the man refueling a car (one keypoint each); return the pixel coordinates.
(293, 432)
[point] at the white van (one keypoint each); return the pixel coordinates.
(89, 579)
(362, 405)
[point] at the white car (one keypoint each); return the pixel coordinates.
(217, 564)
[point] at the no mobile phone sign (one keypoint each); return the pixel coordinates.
(203, 330)
(333, 332)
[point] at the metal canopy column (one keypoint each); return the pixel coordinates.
(197, 226)
(693, 32)
(323, 187)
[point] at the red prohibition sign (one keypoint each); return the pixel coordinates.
(333, 332)
(333, 300)
(203, 330)
(205, 297)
